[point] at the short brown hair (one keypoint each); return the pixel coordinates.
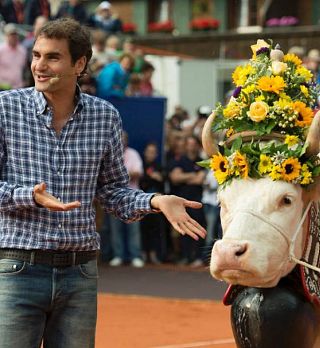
(78, 37)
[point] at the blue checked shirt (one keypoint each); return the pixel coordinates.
(84, 162)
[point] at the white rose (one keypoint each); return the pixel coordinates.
(278, 67)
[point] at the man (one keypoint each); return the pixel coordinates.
(120, 230)
(12, 11)
(60, 149)
(36, 8)
(187, 180)
(103, 19)
(13, 58)
(113, 79)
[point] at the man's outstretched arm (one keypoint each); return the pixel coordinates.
(174, 209)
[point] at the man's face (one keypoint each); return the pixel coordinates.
(12, 40)
(51, 59)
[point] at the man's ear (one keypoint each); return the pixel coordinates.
(80, 65)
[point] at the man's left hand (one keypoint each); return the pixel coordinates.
(174, 209)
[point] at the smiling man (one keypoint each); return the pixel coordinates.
(59, 150)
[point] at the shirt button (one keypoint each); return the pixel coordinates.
(58, 172)
(59, 198)
(57, 148)
(60, 226)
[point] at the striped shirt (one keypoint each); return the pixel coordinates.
(84, 162)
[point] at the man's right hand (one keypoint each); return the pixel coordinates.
(46, 200)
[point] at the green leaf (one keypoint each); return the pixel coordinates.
(204, 163)
(303, 149)
(236, 145)
(316, 171)
(270, 126)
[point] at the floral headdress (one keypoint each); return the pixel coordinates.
(266, 120)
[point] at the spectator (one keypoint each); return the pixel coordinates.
(34, 9)
(12, 11)
(299, 51)
(113, 48)
(28, 44)
(146, 87)
(134, 86)
(187, 179)
(152, 226)
(129, 47)
(133, 163)
(87, 84)
(104, 19)
(73, 9)
(12, 58)
(312, 62)
(113, 79)
(212, 213)
(99, 55)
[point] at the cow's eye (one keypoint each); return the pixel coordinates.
(286, 201)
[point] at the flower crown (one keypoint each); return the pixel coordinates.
(272, 107)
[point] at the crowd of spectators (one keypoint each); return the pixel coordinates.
(118, 68)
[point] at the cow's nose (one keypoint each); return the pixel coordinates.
(240, 249)
(230, 250)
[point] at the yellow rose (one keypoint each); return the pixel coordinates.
(278, 67)
(258, 111)
(260, 43)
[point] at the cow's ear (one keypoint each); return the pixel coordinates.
(313, 190)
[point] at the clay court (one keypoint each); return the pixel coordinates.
(161, 307)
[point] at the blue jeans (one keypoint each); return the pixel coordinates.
(39, 302)
(118, 234)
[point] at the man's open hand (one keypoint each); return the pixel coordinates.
(46, 200)
(174, 209)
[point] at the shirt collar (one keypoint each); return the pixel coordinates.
(42, 105)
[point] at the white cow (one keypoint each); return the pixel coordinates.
(259, 219)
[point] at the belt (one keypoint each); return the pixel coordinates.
(49, 257)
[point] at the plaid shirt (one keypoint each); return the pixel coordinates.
(84, 162)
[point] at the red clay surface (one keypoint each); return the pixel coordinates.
(126, 321)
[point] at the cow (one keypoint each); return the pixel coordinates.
(264, 225)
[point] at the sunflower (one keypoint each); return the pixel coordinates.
(265, 164)
(305, 114)
(290, 57)
(240, 164)
(271, 84)
(290, 169)
(220, 166)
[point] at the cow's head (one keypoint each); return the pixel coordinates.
(259, 218)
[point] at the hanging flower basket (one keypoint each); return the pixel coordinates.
(161, 27)
(201, 24)
(285, 21)
(129, 28)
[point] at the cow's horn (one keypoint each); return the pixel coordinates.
(208, 140)
(313, 137)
